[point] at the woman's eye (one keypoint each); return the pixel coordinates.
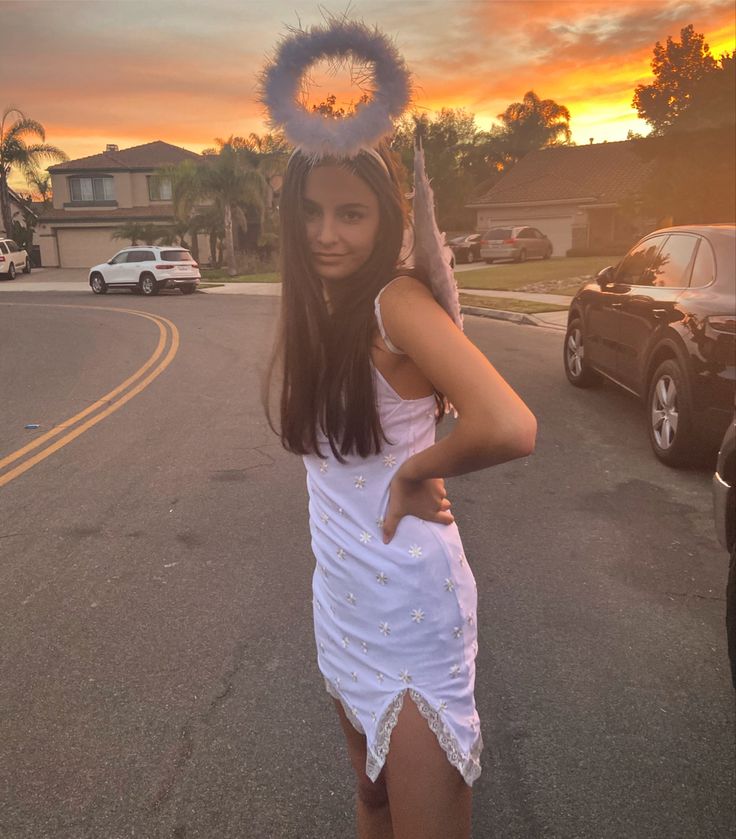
(353, 216)
(310, 211)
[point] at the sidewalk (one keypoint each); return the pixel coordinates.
(74, 279)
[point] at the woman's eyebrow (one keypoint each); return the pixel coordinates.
(351, 205)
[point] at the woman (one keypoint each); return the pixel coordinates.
(367, 358)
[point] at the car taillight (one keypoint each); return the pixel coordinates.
(723, 323)
(166, 267)
(484, 241)
(2, 258)
(509, 241)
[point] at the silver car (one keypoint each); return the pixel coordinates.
(515, 243)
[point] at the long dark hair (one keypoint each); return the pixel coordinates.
(324, 356)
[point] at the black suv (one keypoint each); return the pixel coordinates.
(662, 324)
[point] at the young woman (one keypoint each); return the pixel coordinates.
(367, 358)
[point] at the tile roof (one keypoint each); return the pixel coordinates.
(154, 212)
(148, 156)
(601, 172)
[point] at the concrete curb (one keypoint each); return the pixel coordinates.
(514, 317)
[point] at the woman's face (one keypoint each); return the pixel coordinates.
(341, 218)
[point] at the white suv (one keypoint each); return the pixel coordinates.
(147, 269)
(13, 259)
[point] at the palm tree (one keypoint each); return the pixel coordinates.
(41, 183)
(186, 190)
(533, 124)
(137, 230)
(230, 179)
(15, 152)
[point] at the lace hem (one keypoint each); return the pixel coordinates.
(468, 765)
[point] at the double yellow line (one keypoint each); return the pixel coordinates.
(72, 428)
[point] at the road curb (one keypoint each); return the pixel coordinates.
(514, 317)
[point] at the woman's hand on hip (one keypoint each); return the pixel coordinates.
(424, 499)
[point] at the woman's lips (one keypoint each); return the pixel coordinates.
(328, 256)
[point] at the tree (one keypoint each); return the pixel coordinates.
(137, 231)
(17, 153)
(230, 179)
(690, 106)
(453, 159)
(680, 69)
(532, 124)
(186, 189)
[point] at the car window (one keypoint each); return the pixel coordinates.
(3, 248)
(637, 260)
(12, 247)
(118, 258)
(140, 256)
(499, 233)
(179, 256)
(671, 266)
(704, 269)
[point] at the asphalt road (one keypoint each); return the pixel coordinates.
(157, 671)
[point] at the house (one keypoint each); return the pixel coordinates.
(581, 197)
(94, 195)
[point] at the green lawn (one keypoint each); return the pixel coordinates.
(563, 275)
(508, 304)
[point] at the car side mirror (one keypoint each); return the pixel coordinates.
(605, 277)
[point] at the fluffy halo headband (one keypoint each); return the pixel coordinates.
(313, 133)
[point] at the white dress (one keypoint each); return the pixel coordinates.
(396, 618)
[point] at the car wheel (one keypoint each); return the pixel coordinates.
(573, 355)
(521, 256)
(11, 271)
(470, 257)
(98, 285)
(27, 266)
(669, 411)
(189, 288)
(547, 253)
(148, 285)
(489, 262)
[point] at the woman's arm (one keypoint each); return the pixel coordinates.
(494, 424)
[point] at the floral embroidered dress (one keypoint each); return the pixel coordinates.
(396, 618)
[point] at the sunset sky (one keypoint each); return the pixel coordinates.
(128, 72)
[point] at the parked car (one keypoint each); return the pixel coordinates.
(724, 509)
(147, 269)
(13, 259)
(516, 243)
(466, 248)
(662, 325)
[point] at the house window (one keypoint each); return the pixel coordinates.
(159, 189)
(92, 190)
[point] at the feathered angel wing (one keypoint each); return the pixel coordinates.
(431, 255)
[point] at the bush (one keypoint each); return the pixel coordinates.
(255, 263)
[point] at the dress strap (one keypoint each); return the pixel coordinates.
(379, 320)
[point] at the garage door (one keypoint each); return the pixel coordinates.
(558, 231)
(85, 248)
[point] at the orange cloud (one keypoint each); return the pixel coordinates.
(97, 75)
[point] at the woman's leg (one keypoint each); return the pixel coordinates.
(427, 795)
(373, 816)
